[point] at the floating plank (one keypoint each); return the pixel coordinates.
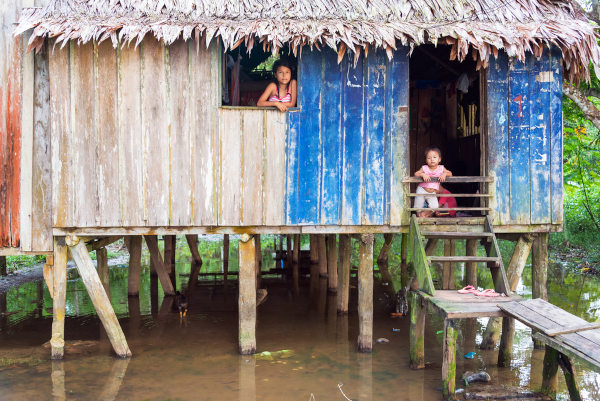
(107, 126)
(84, 140)
(497, 104)
(556, 135)
(130, 137)
(180, 152)
(449, 304)
(331, 138)
(309, 159)
(520, 167)
(252, 167)
(539, 137)
(375, 138)
(353, 134)
(155, 126)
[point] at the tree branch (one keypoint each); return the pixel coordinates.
(588, 108)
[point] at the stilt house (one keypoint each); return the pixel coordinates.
(128, 122)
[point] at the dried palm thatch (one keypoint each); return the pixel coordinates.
(479, 27)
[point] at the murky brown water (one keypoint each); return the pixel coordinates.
(197, 359)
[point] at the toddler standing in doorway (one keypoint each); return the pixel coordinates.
(432, 173)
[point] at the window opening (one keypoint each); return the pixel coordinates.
(245, 76)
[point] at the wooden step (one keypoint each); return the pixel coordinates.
(456, 235)
(466, 259)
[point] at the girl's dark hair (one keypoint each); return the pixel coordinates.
(433, 149)
(282, 62)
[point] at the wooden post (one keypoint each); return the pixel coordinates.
(135, 261)
(102, 266)
(314, 249)
(518, 260)
(506, 342)
(570, 377)
(192, 241)
(247, 295)
(550, 372)
(59, 280)
(161, 271)
(403, 257)
(2, 265)
(449, 360)
(448, 268)
(431, 245)
(471, 267)
(417, 331)
(344, 274)
(322, 255)
(491, 334)
(168, 253)
(365, 292)
(288, 251)
(539, 273)
(332, 265)
(296, 248)
(382, 264)
(258, 260)
(92, 283)
(225, 257)
(114, 380)
(57, 376)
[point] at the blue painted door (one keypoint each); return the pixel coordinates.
(525, 138)
(347, 143)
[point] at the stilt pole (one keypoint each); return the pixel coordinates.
(257, 260)
(518, 260)
(225, 257)
(314, 249)
(506, 342)
(322, 255)
(449, 360)
(539, 273)
(448, 268)
(135, 260)
(417, 331)
(247, 295)
(288, 251)
(157, 260)
(59, 280)
(296, 248)
(92, 283)
(192, 241)
(365, 293)
(471, 267)
(2, 265)
(343, 274)
(332, 264)
(403, 257)
(102, 266)
(550, 372)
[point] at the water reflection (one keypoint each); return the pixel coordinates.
(200, 356)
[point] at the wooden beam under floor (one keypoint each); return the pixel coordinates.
(247, 295)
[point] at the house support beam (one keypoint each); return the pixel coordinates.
(247, 295)
(159, 266)
(332, 264)
(322, 246)
(59, 283)
(134, 245)
(539, 273)
(365, 293)
(192, 241)
(99, 298)
(102, 266)
(343, 274)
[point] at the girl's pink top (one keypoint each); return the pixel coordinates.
(284, 99)
(432, 173)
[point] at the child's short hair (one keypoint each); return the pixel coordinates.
(433, 149)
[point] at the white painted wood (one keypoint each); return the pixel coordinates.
(274, 168)
(252, 167)
(27, 117)
(230, 133)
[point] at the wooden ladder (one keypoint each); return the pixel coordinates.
(427, 231)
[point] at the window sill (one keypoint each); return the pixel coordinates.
(256, 108)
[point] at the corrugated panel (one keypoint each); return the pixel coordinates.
(525, 139)
(350, 139)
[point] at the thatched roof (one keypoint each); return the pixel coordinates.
(481, 27)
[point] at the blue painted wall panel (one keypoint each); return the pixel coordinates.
(291, 176)
(331, 138)
(556, 136)
(539, 99)
(518, 125)
(498, 157)
(309, 158)
(352, 129)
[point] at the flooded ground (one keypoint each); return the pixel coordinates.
(306, 351)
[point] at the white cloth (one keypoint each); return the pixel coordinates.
(431, 198)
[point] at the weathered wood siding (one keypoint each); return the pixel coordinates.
(25, 185)
(348, 144)
(525, 138)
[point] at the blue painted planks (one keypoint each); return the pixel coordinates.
(539, 131)
(556, 136)
(309, 139)
(291, 176)
(518, 128)
(352, 128)
(397, 163)
(374, 139)
(498, 157)
(331, 138)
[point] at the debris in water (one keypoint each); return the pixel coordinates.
(470, 355)
(471, 377)
(383, 340)
(395, 329)
(439, 332)
(341, 391)
(269, 356)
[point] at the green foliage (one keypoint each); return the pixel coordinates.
(16, 262)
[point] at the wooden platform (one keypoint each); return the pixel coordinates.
(449, 304)
(559, 329)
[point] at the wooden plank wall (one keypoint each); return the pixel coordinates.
(525, 138)
(347, 146)
(25, 176)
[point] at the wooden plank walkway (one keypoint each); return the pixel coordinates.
(559, 329)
